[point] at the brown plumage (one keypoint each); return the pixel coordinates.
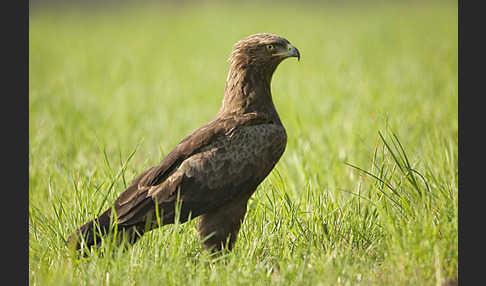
(212, 172)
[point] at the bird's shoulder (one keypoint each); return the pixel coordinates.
(207, 135)
(244, 151)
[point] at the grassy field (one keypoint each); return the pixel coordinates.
(365, 193)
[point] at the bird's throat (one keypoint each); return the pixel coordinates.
(248, 90)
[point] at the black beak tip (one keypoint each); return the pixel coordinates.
(297, 54)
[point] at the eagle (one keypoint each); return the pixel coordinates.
(211, 173)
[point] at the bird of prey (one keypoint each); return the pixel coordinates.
(211, 173)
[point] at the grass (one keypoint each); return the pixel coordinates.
(365, 193)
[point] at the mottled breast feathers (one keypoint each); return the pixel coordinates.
(215, 163)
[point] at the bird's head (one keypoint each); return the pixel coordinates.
(264, 51)
(253, 61)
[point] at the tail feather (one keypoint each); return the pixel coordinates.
(90, 232)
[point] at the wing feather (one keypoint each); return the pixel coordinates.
(133, 205)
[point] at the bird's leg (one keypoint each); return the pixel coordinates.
(219, 225)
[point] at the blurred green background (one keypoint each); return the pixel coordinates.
(106, 78)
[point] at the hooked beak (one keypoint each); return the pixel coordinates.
(291, 51)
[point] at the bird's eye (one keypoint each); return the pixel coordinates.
(269, 47)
